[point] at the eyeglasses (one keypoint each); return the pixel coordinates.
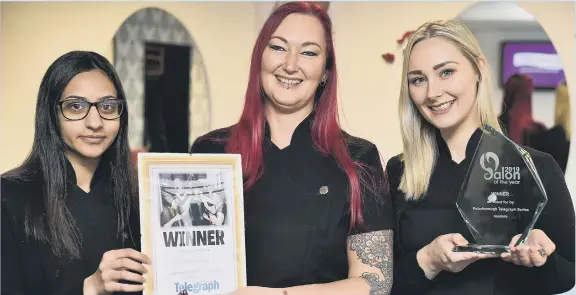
(77, 109)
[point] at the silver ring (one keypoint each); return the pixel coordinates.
(542, 252)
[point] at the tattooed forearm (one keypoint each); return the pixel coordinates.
(377, 286)
(375, 249)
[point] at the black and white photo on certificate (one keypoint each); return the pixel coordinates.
(192, 199)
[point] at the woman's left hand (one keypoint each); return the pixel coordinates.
(533, 252)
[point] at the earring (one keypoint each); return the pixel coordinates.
(324, 78)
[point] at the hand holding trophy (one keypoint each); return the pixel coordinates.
(534, 252)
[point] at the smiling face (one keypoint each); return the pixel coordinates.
(90, 137)
(293, 63)
(442, 83)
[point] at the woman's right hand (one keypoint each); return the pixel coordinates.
(439, 255)
(118, 265)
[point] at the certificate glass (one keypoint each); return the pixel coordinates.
(192, 221)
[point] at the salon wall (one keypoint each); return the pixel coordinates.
(495, 22)
(363, 32)
(369, 87)
(34, 34)
(490, 39)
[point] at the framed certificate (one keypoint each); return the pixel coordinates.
(192, 223)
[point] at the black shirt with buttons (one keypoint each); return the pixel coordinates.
(297, 214)
(29, 267)
(419, 222)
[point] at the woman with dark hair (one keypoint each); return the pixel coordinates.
(317, 220)
(516, 117)
(73, 202)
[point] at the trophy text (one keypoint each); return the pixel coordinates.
(505, 175)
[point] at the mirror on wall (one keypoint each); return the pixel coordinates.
(530, 91)
(165, 81)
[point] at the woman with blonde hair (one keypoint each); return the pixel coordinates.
(444, 100)
(556, 140)
(562, 117)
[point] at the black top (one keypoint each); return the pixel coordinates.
(554, 142)
(29, 267)
(419, 222)
(530, 133)
(294, 234)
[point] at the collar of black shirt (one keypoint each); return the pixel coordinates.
(444, 152)
(101, 179)
(302, 133)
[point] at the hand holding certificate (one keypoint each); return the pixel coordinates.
(192, 222)
(116, 269)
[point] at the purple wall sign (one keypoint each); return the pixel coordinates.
(538, 60)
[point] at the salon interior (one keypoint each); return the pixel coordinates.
(185, 65)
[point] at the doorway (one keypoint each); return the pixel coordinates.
(167, 97)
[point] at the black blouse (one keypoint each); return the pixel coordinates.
(554, 142)
(297, 214)
(29, 267)
(419, 222)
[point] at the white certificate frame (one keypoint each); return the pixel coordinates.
(155, 170)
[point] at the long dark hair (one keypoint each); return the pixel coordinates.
(46, 217)
(246, 136)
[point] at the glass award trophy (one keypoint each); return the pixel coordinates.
(502, 194)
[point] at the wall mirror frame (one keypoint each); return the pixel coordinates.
(165, 81)
(518, 49)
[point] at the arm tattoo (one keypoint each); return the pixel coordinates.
(375, 249)
(377, 286)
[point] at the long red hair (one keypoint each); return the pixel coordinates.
(246, 136)
(517, 108)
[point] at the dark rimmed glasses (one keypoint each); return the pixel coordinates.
(77, 108)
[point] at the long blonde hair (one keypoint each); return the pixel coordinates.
(418, 135)
(562, 109)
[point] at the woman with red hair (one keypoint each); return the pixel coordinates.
(516, 118)
(317, 220)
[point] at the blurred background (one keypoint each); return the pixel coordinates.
(184, 65)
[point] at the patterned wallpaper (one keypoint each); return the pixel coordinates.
(156, 25)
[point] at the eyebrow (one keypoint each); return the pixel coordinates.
(82, 97)
(308, 43)
(418, 72)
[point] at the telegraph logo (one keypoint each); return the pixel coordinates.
(197, 287)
